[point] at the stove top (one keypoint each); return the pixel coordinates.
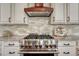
(36, 36)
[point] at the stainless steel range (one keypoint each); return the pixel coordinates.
(34, 44)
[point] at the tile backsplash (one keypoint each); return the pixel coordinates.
(37, 25)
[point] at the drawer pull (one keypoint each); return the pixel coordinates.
(53, 19)
(66, 52)
(11, 52)
(11, 44)
(9, 19)
(68, 19)
(67, 44)
(24, 19)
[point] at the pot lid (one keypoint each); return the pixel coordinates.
(38, 11)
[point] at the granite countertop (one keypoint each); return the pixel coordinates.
(71, 38)
(68, 38)
(11, 38)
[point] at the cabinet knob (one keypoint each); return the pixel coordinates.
(10, 19)
(68, 19)
(11, 52)
(11, 44)
(24, 19)
(53, 19)
(66, 52)
(66, 44)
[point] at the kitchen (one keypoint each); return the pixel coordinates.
(53, 31)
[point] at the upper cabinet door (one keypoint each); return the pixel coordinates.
(20, 16)
(5, 11)
(58, 15)
(30, 4)
(73, 13)
(47, 4)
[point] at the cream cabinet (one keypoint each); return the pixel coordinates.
(19, 15)
(78, 48)
(11, 48)
(5, 13)
(13, 13)
(1, 48)
(67, 51)
(72, 13)
(10, 51)
(31, 4)
(47, 4)
(67, 48)
(58, 16)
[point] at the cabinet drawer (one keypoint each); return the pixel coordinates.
(10, 51)
(11, 43)
(66, 43)
(67, 51)
(0, 43)
(78, 51)
(77, 54)
(78, 43)
(0, 51)
(0, 54)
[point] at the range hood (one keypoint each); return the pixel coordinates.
(38, 11)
